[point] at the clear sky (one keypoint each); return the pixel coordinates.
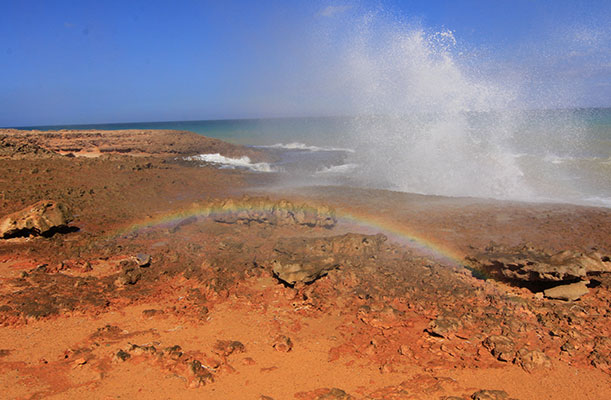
(82, 61)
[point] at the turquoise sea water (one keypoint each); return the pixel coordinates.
(550, 155)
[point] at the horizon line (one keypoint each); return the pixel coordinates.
(276, 118)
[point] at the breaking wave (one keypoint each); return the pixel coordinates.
(231, 163)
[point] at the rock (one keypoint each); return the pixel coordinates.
(443, 326)
(128, 277)
(42, 218)
(225, 348)
(490, 395)
(530, 360)
(325, 394)
(334, 394)
(528, 264)
(283, 344)
(571, 292)
(303, 260)
(150, 313)
(264, 211)
(501, 347)
(122, 355)
(143, 260)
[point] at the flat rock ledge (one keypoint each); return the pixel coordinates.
(529, 264)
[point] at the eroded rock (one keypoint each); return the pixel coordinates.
(528, 264)
(42, 218)
(264, 211)
(303, 260)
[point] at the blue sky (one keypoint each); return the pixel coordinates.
(65, 62)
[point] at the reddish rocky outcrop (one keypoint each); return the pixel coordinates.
(262, 210)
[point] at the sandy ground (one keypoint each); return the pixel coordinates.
(210, 317)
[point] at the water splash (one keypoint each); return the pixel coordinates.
(420, 126)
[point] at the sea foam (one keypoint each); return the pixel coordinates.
(304, 147)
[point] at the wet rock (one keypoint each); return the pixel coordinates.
(570, 292)
(303, 260)
(490, 395)
(534, 265)
(42, 218)
(283, 343)
(531, 360)
(501, 347)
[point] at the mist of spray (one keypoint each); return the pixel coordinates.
(434, 117)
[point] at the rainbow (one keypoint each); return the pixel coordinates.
(367, 223)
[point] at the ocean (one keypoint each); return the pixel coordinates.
(540, 156)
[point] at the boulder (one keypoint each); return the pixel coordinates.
(571, 292)
(303, 260)
(42, 218)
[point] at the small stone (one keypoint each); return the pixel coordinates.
(143, 260)
(122, 355)
(283, 344)
(80, 361)
(248, 361)
(150, 313)
(225, 348)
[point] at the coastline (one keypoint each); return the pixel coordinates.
(408, 322)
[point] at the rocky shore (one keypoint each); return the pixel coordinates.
(127, 271)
